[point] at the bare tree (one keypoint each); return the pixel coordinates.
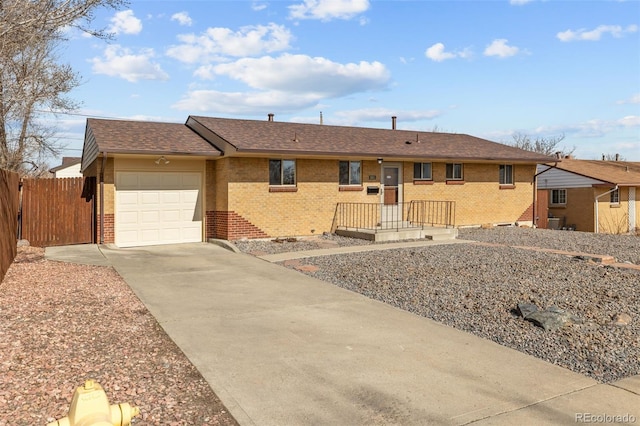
(32, 78)
(541, 145)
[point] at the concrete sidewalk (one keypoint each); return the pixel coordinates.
(282, 348)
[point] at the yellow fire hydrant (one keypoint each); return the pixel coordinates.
(90, 407)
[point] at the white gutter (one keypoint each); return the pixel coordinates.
(597, 225)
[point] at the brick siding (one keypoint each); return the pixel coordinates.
(229, 225)
(109, 229)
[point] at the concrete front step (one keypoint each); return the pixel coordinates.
(435, 234)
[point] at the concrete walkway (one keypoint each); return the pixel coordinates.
(282, 348)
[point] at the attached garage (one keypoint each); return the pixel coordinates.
(158, 208)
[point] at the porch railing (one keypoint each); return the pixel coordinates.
(379, 217)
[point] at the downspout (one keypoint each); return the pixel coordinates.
(104, 164)
(597, 225)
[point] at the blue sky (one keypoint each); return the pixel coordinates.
(485, 68)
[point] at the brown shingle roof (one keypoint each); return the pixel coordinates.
(66, 162)
(252, 136)
(623, 173)
(121, 136)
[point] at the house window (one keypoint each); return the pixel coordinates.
(506, 174)
(614, 197)
(422, 171)
(454, 171)
(559, 196)
(350, 173)
(282, 172)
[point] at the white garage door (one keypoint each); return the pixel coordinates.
(157, 208)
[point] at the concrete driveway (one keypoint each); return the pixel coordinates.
(281, 348)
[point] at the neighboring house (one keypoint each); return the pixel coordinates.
(161, 183)
(591, 195)
(70, 167)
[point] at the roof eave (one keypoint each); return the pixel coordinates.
(163, 152)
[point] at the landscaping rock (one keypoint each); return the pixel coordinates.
(552, 319)
(622, 319)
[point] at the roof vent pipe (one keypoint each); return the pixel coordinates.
(393, 122)
(617, 157)
(321, 121)
(603, 157)
(270, 116)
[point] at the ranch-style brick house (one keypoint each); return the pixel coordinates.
(590, 195)
(164, 183)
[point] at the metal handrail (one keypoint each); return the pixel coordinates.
(378, 216)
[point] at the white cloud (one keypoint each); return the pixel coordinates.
(630, 121)
(437, 53)
(121, 62)
(635, 99)
(500, 48)
(593, 128)
(216, 43)
(596, 34)
(285, 83)
(326, 10)
(125, 22)
(305, 74)
(244, 102)
(519, 2)
(258, 5)
(357, 116)
(183, 18)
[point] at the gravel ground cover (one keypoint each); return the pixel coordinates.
(625, 248)
(477, 289)
(275, 246)
(61, 324)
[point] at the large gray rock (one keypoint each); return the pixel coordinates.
(550, 319)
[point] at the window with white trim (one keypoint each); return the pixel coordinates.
(282, 172)
(506, 174)
(614, 197)
(422, 171)
(350, 173)
(559, 196)
(454, 171)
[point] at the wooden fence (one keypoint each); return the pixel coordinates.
(54, 212)
(9, 199)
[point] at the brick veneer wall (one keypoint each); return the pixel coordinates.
(310, 207)
(479, 197)
(109, 229)
(230, 225)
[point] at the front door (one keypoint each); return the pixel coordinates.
(391, 193)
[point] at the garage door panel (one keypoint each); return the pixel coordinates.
(128, 236)
(189, 196)
(149, 181)
(171, 197)
(192, 234)
(128, 218)
(149, 197)
(191, 180)
(127, 180)
(158, 208)
(150, 217)
(128, 199)
(150, 235)
(169, 216)
(172, 181)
